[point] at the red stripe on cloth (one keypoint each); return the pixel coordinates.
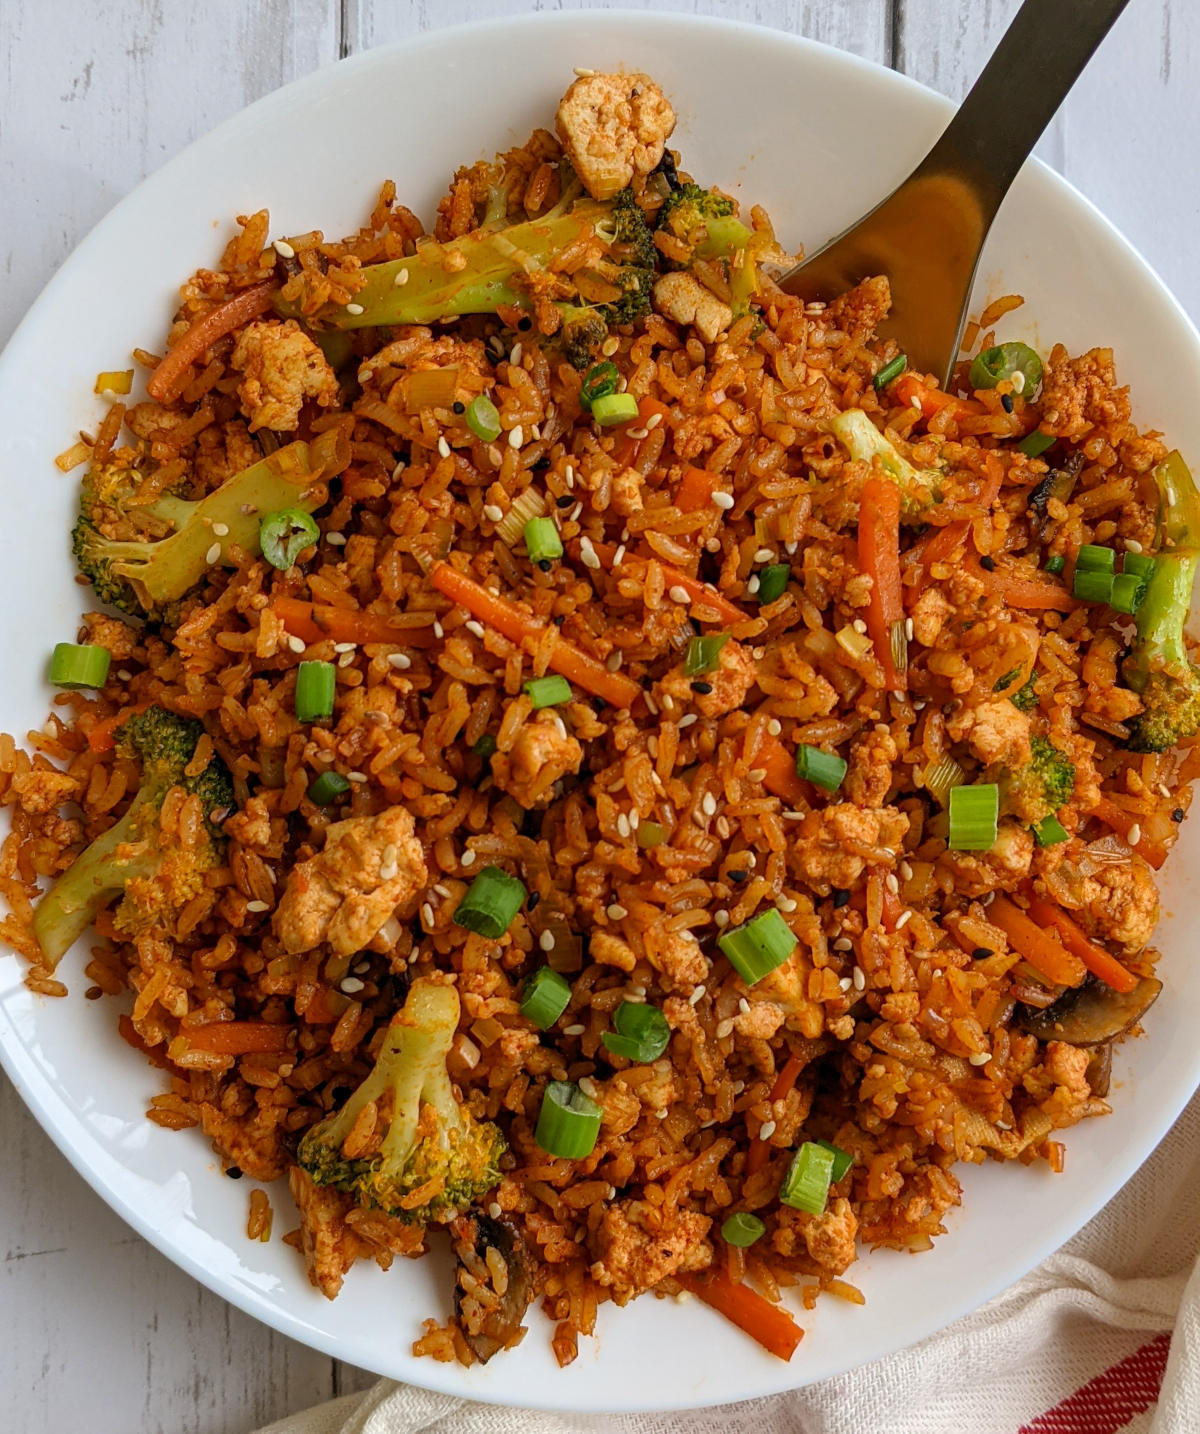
(1107, 1403)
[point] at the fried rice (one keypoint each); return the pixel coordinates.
(645, 826)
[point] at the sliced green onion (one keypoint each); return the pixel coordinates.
(546, 997)
(892, 369)
(742, 1229)
(772, 582)
(612, 408)
(599, 381)
(651, 834)
(548, 691)
(327, 788)
(1092, 586)
(1056, 563)
(824, 769)
(1005, 361)
(806, 1184)
(75, 664)
(842, 1160)
(483, 418)
(1139, 564)
(284, 535)
(491, 902)
(1034, 444)
(315, 686)
(484, 746)
(640, 1032)
(1050, 831)
(1093, 558)
(974, 816)
(758, 946)
(568, 1124)
(542, 541)
(704, 653)
(942, 776)
(1128, 590)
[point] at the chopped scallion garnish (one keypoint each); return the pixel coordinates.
(75, 665)
(772, 582)
(327, 788)
(842, 1160)
(1056, 563)
(891, 370)
(612, 408)
(484, 746)
(974, 816)
(741, 1229)
(758, 946)
(542, 541)
(1050, 831)
(545, 998)
(1034, 444)
(548, 691)
(483, 418)
(640, 1033)
(568, 1124)
(806, 1184)
(1128, 590)
(491, 902)
(316, 683)
(1094, 558)
(1141, 565)
(1005, 361)
(941, 776)
(1092, 586)
(704, 653)
(823, 769)
(284, 535)
(599, 381)
(651, 834)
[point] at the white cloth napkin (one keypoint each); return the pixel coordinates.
(1070, 1349)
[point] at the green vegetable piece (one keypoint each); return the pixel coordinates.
(546, 997)
(599, 381)
(758, 946)
(640, 1032)
(284, 535)
(1056, 563)
(76, 665)
(824, 769)
(742, 1229)
(491, 902)
(1034, 444)
(1092, 558)
(1015, 361)
(1141, 565)
(1128, 590)
(806, 1184)
(650, 834)
(612, 409)
(772, 582)
(1092, 586)
(890, 371)
(704, 653)
(316, 685)
(483, 418)
(974, 816)
(542, 541)
(919, 488)
(484, 746)
(568, 1124)
(327, 788)
(548, 691)
(842, 1160)
(1050, 831)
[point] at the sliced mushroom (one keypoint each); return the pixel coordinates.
(1091, 1014)
(493, 1282)
(1058, 483)
(1099, 1069)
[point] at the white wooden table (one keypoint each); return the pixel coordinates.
(99, 1332)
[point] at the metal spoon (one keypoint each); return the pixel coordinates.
(927, 235)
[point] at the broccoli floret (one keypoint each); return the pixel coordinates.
(919, 487)
(1157, 666)
(155, 872)
(144, 555)
(435, 1158)
(707, 222)
(593, 260)
(1038, 789)
(1025, 698)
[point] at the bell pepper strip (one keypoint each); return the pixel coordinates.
(508, 619)
(756, 1155)
(625, 450)
(770, 1325)
(237, 1038)
(1032, 594)
(1043, 952)
(321, 622)
(232, 314)
(695, 490)
(779, 766)
(102, 737)
(700, 594)
(911, 390)
(879, 558)
(1123, 822)
(1107, 968)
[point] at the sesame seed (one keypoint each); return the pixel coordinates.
(494, 1210)
(698, 994)
(214, 554)
(616, 912)
(354, 309)
(619, 556)
(336, 540)
(906, 871)
(296, 643)
(903, 919)
(468, 858)
(546, 940)
(492, 513)
(793, 816)
(752, 585)
(401, 278)
(584, 74)
(356, 776)
(908, 628)
(221, 530)
(345, 659)
(400, 660)
(725, 1028)
(687, 719)
(588, 1086)
(576, 1030)
(845, 983)
(590, 560)
(721, 918)
(573, 515)
(858, 976)
(724, 500)
(662, 1115)
(763, 555)
(283, 249)
(774, 727)
(756, 774)
(343, 647)
(786, 904)
(351, 984)
(635, 819)
(891, 882)
(388, 871)
(438, 629)
(613, 661)
(1132, 545)
(257, 906)
(980, 1058)
(678, 594)
(859, 625)
(765, 1132)
(843, 943)
(401, 465)
(516, 437)
(473, 626)
(569, 476)
(623, 827)
(441, 888)
(915, 402)
(1134, 834)
(1017, 379)
(443, 447)
(712, 545)
(122, 672)
(427, 914)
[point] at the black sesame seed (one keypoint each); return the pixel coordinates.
(459, 407)
(1006, 402)
(988, 564)
(566, 500)
(525, 325)
(840, 897)
(599, 704)
(545, 564)
(559, 620)
(1177, 814)
(534, 898)
(703, 688)
(981, 953)
(234, 1172)
(738, 875)
(341, 1093)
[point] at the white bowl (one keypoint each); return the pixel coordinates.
(816, 136)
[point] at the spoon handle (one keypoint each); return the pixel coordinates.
(1042, 54)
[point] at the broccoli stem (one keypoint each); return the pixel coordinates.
(1161, 617)
(919, 488)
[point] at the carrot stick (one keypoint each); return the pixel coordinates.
(700, 593)
(1123, 822)
(102, 738)
(318, 621)
(1016, 591)
(771, 1326)
(780, 767)
(218, 322)
(129, 1032)
(930, 400)
(507, 618)
(1094, 957)
(237, 1038)
(756, 1156)
(1045, 954)
(695, 490)
(879, 557)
